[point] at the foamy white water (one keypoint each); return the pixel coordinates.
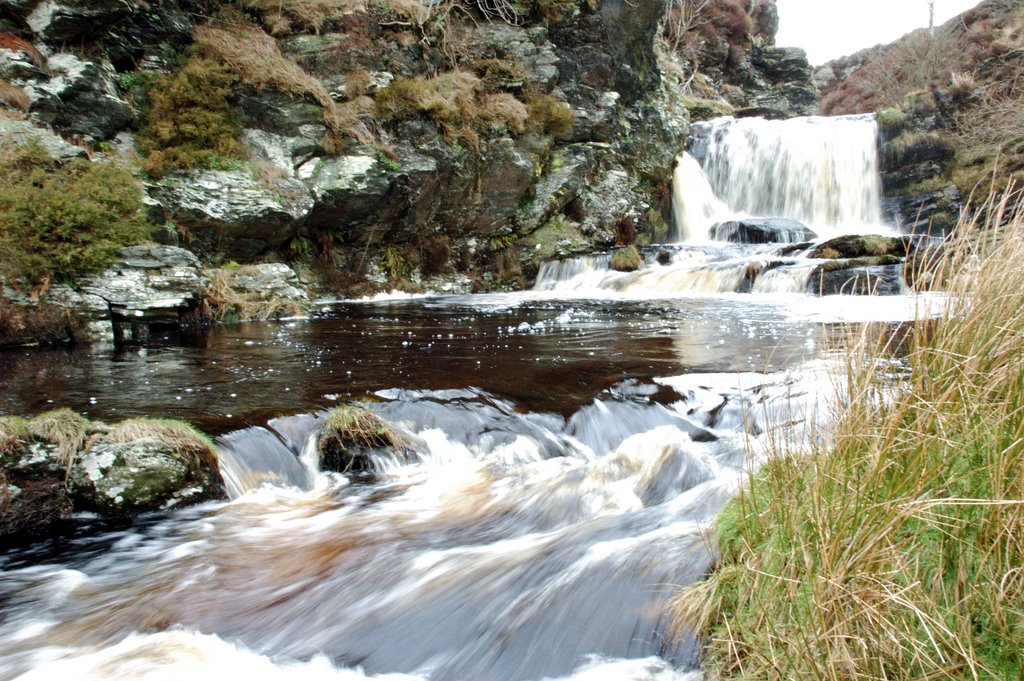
(820, 171)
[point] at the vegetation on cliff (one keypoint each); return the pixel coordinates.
(56, 220)
(894, 550)
(964, 77)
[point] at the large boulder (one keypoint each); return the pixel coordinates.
(762, 231)
(231, 212)
(146, 474)
(58, 462)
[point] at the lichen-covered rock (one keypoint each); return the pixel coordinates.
(21, 132)
(863, 245)
(147, 285)
(232, 212)
(58, 462)
(561, 180)
(79, 98)
(121, 479)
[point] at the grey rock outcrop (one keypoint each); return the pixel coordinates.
(21, 132)
(232, 212)
(79, 98)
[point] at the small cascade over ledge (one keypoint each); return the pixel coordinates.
(821, 171)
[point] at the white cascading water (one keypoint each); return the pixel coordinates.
(820, 171)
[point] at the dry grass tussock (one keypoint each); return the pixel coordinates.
(64, 429)
(184, 440)
(895, 551)
(228, 304)
(359, 426)
(281, 15)
(13, 96)
(257, 59)
(347, 432)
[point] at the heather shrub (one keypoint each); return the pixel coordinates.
(60, 220)
(190, 122)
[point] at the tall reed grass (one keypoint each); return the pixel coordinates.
(894, 549)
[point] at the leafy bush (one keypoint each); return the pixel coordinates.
(191, 123)
(56, 221)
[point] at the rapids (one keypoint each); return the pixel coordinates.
(568, 450)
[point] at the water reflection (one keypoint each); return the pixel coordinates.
(547, 356)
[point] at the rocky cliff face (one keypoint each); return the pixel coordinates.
(730, 63)
(400, 197)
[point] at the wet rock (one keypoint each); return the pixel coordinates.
(20, 132)
(231, 212)
(934, 213)
(261, 291)
(79, 98)
(349, 435)
(863, 245)
(761, 231)
(866, 276)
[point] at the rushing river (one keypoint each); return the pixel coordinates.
(568, 449)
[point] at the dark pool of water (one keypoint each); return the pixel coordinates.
(545, 356)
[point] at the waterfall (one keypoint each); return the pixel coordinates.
(820, 171)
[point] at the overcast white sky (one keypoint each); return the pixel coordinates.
(832, 28)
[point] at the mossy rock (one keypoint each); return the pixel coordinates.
(706, 109)
(347, 437)
(627, 259)
(863, 245)
(59, 462)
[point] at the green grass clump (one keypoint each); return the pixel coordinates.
(894, 551)
(191, 123)
(891, 120)
(60, 220)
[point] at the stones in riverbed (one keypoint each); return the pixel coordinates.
(59, 462)
(762, 231)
